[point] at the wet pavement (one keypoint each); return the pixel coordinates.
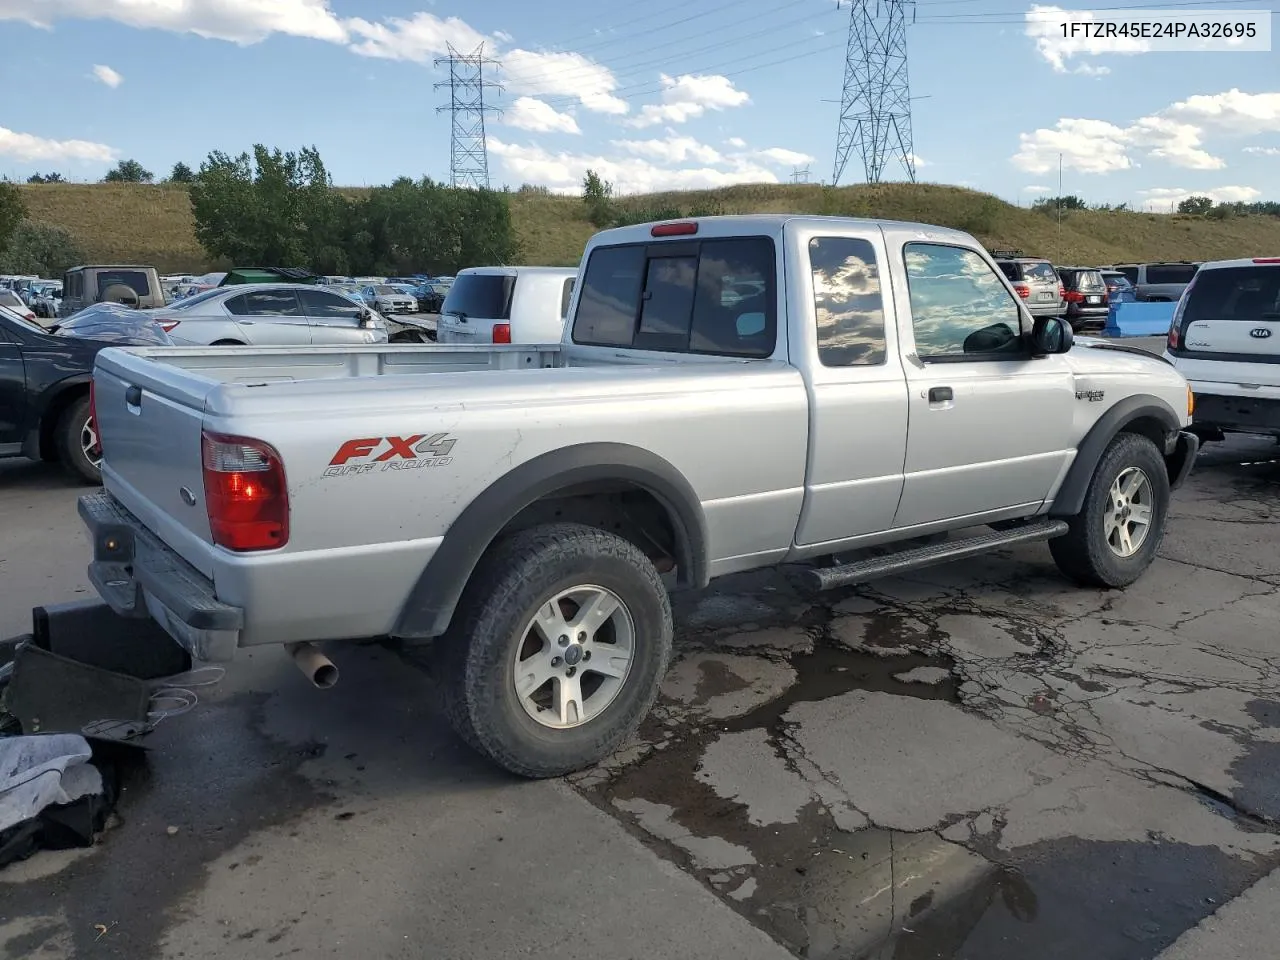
(974, 761)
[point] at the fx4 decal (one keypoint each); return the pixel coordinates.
(1093, 396)
(366, 454)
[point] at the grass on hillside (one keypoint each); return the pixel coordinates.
(153, 224)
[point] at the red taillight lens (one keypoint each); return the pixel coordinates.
(167, 325)
(502, 333)
(1266, 259)
(1173, 337)
(1022, 290)
(684, 229)
(1073, 296)
(1062, 291)
(245, 493)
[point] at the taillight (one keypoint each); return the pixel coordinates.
(1073, 296)
(244, 492)
(1022, 290)
(167, 325)
(684, 229)
(502, 333)
(1173, 338)
(1266, 259)
(1062, 291)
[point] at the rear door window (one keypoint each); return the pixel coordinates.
(847, 302)
(704, 296)
(136, 280)
(1010, 270)
(1170, 272)
(265, 303)
(484, 296)
(327, 306)
(1130, 274)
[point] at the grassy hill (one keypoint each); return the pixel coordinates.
(133, 223)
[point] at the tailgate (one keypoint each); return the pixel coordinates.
(1253, 338)
(149, 419)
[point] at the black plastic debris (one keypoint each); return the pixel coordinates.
(90, 632)
(49, 693)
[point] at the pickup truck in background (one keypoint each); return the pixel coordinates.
(730, 393)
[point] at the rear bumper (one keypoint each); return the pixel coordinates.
(1236, 414)
(139, 576)
(1053, 308)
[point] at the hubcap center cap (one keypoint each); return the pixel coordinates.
(572, 655)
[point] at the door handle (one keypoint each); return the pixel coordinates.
(133, 396)
(940, 394)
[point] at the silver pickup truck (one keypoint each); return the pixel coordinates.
(730, 393)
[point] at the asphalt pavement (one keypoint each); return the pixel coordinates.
(977, 761)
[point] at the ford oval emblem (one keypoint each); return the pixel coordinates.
(187, 496)
(1260, 333)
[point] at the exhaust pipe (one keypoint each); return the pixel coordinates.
(317, 668)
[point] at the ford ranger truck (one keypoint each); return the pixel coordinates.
(730, 393)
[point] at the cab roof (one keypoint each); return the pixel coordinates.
(745, 224)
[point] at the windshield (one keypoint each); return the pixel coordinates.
(186, 302)
(10, 299)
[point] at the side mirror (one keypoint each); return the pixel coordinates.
(1051, 335)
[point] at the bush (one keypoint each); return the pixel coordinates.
(128, 171)
(12, 212)
(597, 196)
(40, 248)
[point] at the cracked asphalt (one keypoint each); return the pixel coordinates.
(973, 761)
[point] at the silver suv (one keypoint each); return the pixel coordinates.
(1037, 283)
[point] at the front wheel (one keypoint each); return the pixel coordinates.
(556, 650)
(78, 446)
(1115, 536)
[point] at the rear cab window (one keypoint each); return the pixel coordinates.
(566, 297)
(484, 296)
(1170, 272)
(713, 296)
(136, 280)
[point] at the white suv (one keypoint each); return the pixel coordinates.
(1225, 339)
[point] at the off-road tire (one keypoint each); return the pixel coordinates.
(1083, 554)
(67, 435)
(473, 661)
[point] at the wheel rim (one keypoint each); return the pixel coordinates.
(574, 656)
(89, 444)
(1127, 518)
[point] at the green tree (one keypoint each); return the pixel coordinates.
(128, 171)
(181, 173)
(1196, 206)
(597, 196)
(46, 178)
(40, 248)
(12, 212)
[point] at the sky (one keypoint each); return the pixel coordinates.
(672, 94)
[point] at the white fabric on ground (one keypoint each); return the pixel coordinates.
(37, 772)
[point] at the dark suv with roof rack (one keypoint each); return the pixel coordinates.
(1085, 292)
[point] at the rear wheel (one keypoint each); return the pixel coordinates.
(1115, 536)
(79, 449)
(556, 650)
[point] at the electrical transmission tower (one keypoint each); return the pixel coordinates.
(875, 109)
(799, 175)
(468, 150)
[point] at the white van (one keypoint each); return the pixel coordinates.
(507, 305)
(1225, 339)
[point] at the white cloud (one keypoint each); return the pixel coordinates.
(563, 171)
(1232, 112)
(1172, 196)
(673, 149)
(1044, 26)
(563, 74)
(529, 113)
(1089, 146)
(736, 142)
(688, 96)
(239, 21)
(783, 156)
(1178, 143)
(920, 161)
(1264, 151)
(1035, 188)
(503, 36)
(419, 38)
(28, 147)
(105, 74)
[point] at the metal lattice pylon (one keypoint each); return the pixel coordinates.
(468, 149)
(875, 109)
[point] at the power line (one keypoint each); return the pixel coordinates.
(468, 145)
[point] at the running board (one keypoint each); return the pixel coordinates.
(825, 578)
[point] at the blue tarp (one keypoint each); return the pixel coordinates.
(1139, 319)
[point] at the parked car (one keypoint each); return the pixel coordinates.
(45, 408)
(387, 300)
(1035, 281)
(134, 286)
(12, 301)
(1119, 289)
(520, 505)
(1085, 294)
(1225, 338)
(1158, 282)
(507, 305)
(269, 314)
(431, 296)
(47, 301)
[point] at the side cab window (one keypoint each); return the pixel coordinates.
(960, 309)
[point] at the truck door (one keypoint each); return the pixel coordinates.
(858, 394)
(989, 427)
(13, 393)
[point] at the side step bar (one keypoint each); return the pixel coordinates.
(825, 578)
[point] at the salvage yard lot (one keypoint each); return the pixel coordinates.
(974, 761)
